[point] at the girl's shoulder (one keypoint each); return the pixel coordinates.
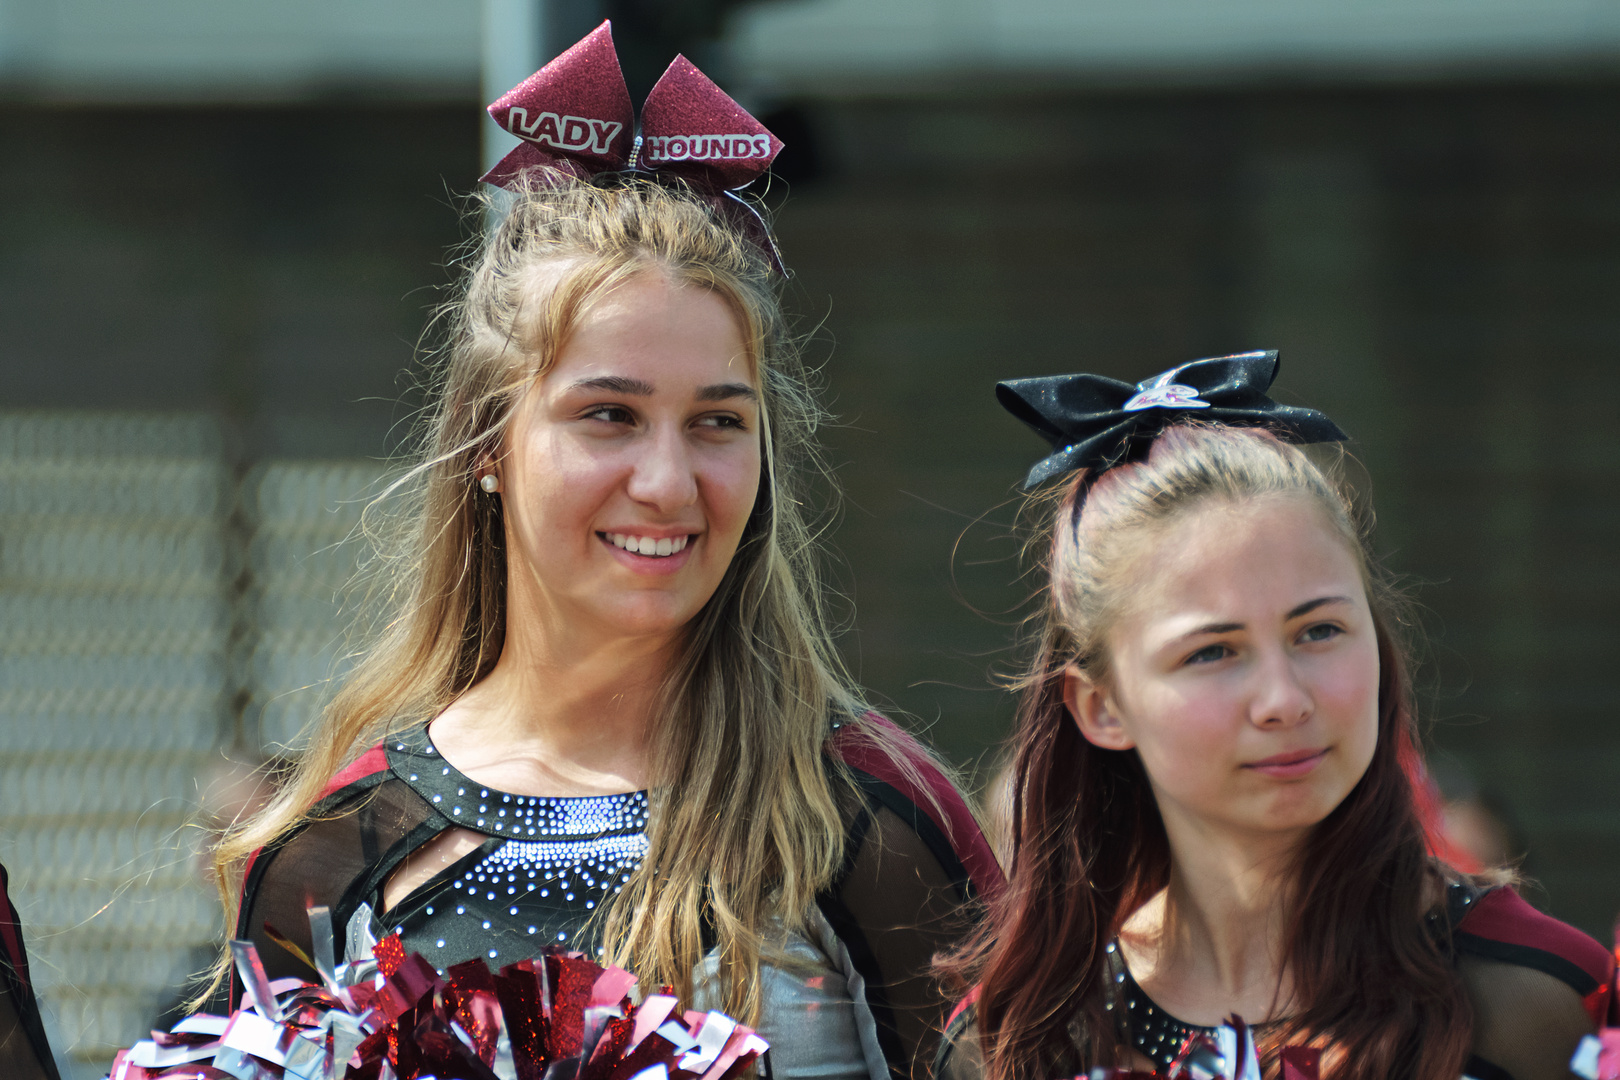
(369, 768)
(365, 772)
(365, 820)
(915, 870)
(1537, 985)
(1498, 925)
(895, 772)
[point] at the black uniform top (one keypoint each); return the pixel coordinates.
(545, 869)
(1537, 986)
(914, 861)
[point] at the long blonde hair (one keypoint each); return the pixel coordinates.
(745, 826)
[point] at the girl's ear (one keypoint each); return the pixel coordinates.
(1093, 712)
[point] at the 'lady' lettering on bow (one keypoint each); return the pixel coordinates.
(563, 132)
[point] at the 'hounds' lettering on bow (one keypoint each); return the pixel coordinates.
(658, 149)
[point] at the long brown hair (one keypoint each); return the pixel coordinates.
(1374, 987)
(745, 828)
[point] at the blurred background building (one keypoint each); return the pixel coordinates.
(223, 227)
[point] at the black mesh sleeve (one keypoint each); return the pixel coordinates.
(24, 1052)
(1526, 1022)
(960, 1055)
(901, 899)
(338, 859)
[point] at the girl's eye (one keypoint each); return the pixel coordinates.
(723, 420)
(612, 414)
(1209, 654)
(1321, 632)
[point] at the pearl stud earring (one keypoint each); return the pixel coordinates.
(489, 482)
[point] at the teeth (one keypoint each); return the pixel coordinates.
(646, 545)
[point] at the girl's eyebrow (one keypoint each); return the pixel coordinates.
(727, 391)
(619, 384)
(1230, 627)
(616, 384)
(1212, 628)
(1311, 605)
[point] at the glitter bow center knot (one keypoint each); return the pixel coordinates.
(1160, 392)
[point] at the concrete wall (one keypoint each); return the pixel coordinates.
(835, 45)
(233, 50)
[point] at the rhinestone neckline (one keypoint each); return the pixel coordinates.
(550, 861)
(533, 818)
(1152, 1030)
(1160, 1036)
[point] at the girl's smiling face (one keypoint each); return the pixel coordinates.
(632, 465)
(1244, 669)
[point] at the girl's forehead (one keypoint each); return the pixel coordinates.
(1247, 555)
(651, 341)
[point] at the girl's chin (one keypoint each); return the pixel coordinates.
(1294, 816)
(643, 616)
(1271, 818)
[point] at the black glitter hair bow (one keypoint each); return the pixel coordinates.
(1096, 423)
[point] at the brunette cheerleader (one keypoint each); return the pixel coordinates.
(1214, 808)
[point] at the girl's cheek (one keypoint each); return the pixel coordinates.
(732, 490)
(1210, 744)
(1203, 723)
(1350, 688)
(1189, 743)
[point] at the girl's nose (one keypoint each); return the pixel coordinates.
(1281, 698)
(664, 477)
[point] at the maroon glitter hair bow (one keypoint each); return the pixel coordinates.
(575, 115)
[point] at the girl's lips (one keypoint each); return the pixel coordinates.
(1289, 766)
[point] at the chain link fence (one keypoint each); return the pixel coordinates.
(169, 618)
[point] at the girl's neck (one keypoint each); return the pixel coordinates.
(1211, 943)
(559, 715)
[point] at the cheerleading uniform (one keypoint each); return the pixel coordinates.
(1537, 985)
(857, 1001)
(24, 1052)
